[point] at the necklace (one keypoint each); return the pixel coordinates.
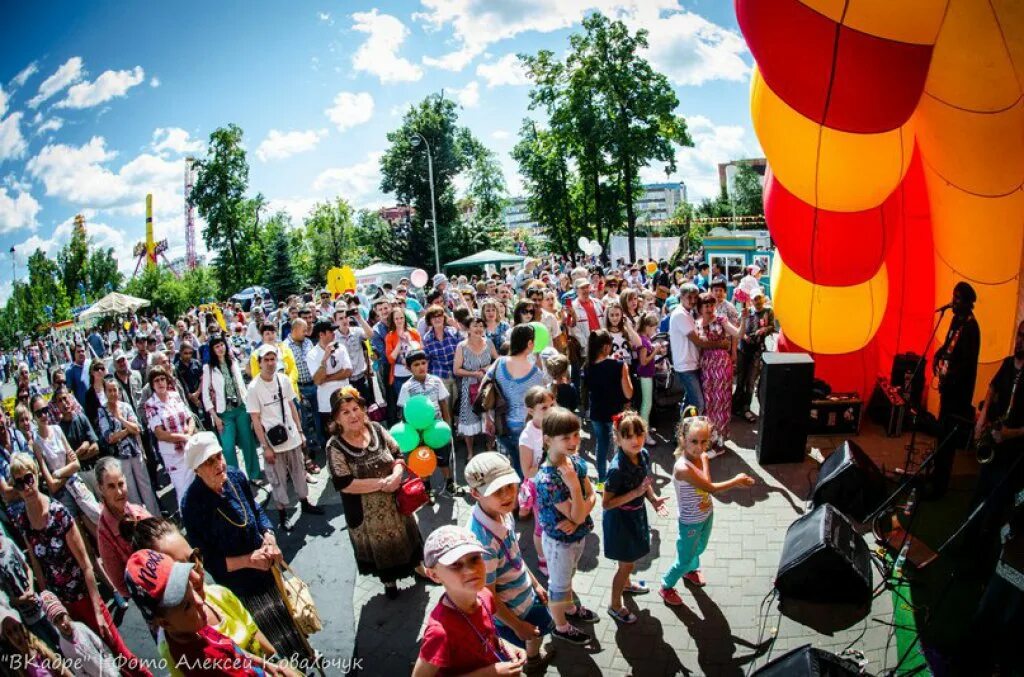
(354, 450)
(245, 512)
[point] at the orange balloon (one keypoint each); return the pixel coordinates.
(422, 461)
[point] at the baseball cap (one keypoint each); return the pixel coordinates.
(200, 448)
(489, 471)
(120, 355)
(582, 282)
(446, 544)
(264, 349)
(155, 581)
(671, 302)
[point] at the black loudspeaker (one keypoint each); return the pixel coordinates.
(824, 560)
(850, 481)
(904, 379)
(810, 662)
(785, 399)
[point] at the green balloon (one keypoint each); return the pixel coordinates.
(419, 412)
(541, 336)
(438, 435)
(405, 436)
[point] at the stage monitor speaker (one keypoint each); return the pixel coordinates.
(824, 560)
(785, 399)
(904, 378)
(850, 481)
(806, 661)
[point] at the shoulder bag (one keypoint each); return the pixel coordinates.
(278, 434)
(489, 398)
(298, 599)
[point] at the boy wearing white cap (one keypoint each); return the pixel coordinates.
(460, 637)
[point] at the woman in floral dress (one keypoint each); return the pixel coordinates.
(716, 370)
(472, 358)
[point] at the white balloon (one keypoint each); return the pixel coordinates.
(584, 243)
(596, 248)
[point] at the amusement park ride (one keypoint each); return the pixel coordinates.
(149, 249)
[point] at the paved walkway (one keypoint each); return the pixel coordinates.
(720, 631)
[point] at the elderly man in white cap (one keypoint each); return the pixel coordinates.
(441, 285)
(278, 427)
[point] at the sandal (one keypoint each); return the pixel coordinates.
(623, 615)
(638, 588)
(750, 416)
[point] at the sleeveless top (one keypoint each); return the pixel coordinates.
(694, 504)
(515, 389)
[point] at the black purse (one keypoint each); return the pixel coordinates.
(278, 434)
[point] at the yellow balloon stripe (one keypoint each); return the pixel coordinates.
(915, 22)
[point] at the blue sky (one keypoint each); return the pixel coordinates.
(101, 101)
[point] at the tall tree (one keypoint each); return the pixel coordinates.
(222, 179)
(405, 174)
(747, 193)
(487, 198)
(73, 259)
(102, 273)
(280, 274)
(328, 239)
(550, 183)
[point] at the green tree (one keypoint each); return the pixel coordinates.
(222, 179)
(550, 183)
(374, 234)
(747, 193)
(162, 289)
(405, 174)
(280, 276)
(102, 273)
(329, 240)
(73, 259)
(201, 285)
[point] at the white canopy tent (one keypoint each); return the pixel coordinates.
(379, 273)
(113, 303)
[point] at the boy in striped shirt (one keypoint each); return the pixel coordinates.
(520, 601)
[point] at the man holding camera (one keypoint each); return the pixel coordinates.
(330, 365)
(351, 333)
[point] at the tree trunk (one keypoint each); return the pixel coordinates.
(627, 180)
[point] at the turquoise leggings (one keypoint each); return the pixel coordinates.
(693, 540)
(238, 430)
(646, 398)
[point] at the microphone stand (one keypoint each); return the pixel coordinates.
(907, 390)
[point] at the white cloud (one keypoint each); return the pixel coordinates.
(500, 134)
(379, 54)
(3, 102)
(100, 233)
(50, 125)
(80, 176)
(476, 25)
(69, 73)
(109, 85)
(28, 71)
(358, 183)
(175, 140)
(698, 166)
(297, 208)
(325, 17)
(507, 70)
(468, 96)
(350, 109)
(154, 82)
(691, 50)
(280, 145)
(12, 143)
(17, 212)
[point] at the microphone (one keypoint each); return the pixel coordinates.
(942, 309)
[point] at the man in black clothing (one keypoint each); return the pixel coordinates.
(956, 366)
(79, 434)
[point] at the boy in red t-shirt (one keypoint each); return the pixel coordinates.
(460, 638)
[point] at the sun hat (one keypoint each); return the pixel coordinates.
(200, 448)
(446, 544)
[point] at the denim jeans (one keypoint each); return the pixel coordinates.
(602, 442)
(509, 445)
(692, 394)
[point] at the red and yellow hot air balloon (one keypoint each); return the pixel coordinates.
(894, 133)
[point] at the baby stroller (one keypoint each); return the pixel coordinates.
(668, 393)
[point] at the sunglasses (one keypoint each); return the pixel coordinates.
(38, 413)
(26, 480)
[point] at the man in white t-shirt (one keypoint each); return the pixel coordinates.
(270, 402)
(330, 366)
(686, 345)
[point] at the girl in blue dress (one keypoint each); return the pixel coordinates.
(627, 534)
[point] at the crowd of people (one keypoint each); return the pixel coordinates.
(132, 470)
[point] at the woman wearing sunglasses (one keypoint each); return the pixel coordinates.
(224, 611)
(59, 559)
(60, 467)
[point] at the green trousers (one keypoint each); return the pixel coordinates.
(238, 431)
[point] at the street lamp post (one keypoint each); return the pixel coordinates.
(415, 141)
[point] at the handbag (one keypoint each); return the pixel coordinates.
(278, 434)
(297, 599)
(411, 495)
(489, 398)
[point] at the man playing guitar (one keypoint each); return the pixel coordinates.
(956, 366)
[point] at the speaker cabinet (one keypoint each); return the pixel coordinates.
(806, 661)
(850, 481)
(824, 560)
(785, 399)
(905, 380)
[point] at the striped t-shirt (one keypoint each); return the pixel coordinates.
(506, 570)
